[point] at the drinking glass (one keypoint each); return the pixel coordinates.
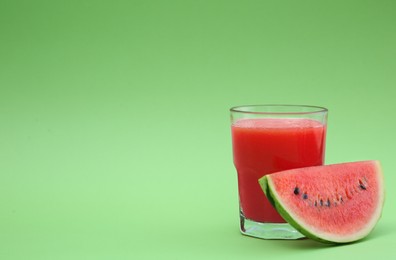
(267, 139)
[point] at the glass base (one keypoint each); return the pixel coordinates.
(269, 230)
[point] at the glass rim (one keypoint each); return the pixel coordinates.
(243, 109)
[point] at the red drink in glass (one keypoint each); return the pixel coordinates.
(263, 146)
(266, 142)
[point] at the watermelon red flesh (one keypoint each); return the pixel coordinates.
(335, 203)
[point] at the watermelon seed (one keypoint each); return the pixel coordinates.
(305, 196)
(316, 203)
(361, 185)
(296, 190)
(328, 203)
(321, 202)
(348, 193)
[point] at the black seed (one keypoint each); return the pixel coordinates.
(305, 196)
(362, 186)
(321, 202)
(341, 199)
(296, 190)
(316, 203)
(328, 203)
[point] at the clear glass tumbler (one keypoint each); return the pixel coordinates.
(267, 139)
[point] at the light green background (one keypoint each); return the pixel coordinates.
(114, 130)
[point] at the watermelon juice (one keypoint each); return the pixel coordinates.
(266, 145)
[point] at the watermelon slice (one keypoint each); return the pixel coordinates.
(337, 203)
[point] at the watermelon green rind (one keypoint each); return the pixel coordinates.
(299, 224)
(278, 206)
